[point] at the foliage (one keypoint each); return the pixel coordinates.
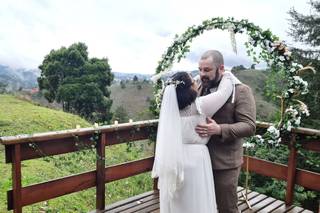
(237, 68)
(80, 83)
(306, 29)
(135, 78)
(122, 84)
(121, 115)
(2, 87)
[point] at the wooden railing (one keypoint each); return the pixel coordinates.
(20, 148)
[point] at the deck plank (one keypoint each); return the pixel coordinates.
(261, 205)
(142, 206)
(296, 209)
(129, 200)
(308, 211)
(153, 208)
(272, 206)
(149, 203)
(137, 203)
(282, 209)
(243, 207)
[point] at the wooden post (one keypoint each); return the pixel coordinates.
(292, 165)
(155, 180)
(16, 178)
(100, 187)
(155, 184)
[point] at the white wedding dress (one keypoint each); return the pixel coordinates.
(194, 187)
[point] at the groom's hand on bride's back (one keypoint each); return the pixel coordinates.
(208, 129)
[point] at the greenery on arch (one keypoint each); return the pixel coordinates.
(261, 46)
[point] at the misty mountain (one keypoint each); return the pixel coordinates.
(18, 78)
(118, 76)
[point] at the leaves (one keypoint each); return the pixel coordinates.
(69, 77)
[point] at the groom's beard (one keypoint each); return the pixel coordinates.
(208, 84)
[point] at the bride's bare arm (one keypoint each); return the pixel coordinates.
(211, 103)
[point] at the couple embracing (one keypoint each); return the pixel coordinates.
(199, 141)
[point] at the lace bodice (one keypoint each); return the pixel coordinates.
(190, 118)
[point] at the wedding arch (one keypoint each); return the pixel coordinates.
(274, 52)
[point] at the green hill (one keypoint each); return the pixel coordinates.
(135, 101)
(22, 117)
(256, 80)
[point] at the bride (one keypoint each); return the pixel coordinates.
(182, 162)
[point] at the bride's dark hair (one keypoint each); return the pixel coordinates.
(185, 94)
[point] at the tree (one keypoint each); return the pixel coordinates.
(306, 29)
(122, 84)
(80, 83)
(2, 87)
(238, 68)
(121, 115)
(135, 78)
(253, 66)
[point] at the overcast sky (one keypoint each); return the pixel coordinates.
(133, 34)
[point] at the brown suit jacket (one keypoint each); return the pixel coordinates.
(237, 120)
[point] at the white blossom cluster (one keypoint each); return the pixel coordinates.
(296, 84)
(248, 145)
(273, 136)
(293, 116)
(257, 139)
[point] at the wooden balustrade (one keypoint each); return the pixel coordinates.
(20, 148)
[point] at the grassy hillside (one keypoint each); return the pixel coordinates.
(134, 100)
(22, 117)
(256, 80)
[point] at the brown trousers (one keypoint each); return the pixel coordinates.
(226, 183)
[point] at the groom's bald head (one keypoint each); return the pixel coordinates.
(216, 57)
(211, 67)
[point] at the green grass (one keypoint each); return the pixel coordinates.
(22, 117)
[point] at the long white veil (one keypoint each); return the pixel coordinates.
(168, 162)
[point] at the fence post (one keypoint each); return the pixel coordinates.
(100, 187)
(155, 180)
(16, 178)
(291, 174)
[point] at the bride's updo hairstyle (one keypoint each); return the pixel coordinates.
(186, 95)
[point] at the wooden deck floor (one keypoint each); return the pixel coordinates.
(149, 202)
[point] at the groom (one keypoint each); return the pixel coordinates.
(235, 120)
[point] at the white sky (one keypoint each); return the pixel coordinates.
(133, 34)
